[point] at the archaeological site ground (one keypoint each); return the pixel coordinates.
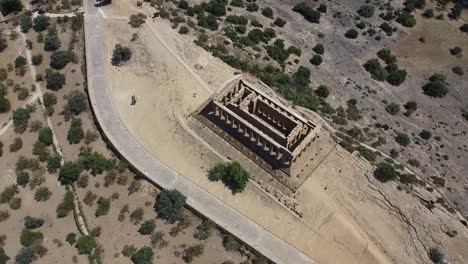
(234, 131)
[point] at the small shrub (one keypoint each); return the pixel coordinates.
(29, 237)
(16, 145)
(385, 172)
(279, 22)
(55, 81)
(351, 34)
(136, 20)
(66, 206)
(42, 194)
(316, 60)
(307, 12)
(393, 108)
(194, 251)
(147, 227)
(267, 12)
(60, 58)
(436, 87)
(22, 178)
(169, 204)
(15, 203)
(86, 244)
(103, 206)
(402, 139)
(204, 230)
(184, 30)
(33, 222)
(425, 134)
(120, 54)
(366, 11)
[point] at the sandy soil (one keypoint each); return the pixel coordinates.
(347, 219)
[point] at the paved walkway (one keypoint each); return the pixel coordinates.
(226, 217)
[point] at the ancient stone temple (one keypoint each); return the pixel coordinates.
(276, 133)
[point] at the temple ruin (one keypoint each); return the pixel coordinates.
(276, 133)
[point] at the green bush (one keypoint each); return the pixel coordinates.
(319, 49)
(25, 22)
(464, 28)
(385, 172)
(230, 243)
(69, 172)
(42, 194)
(194, 251)
(322, 8)
(10, 6)
(16, 145)
(25, 256)
(458, 70)
(71, 238)
(86, 244)
(75, 132)
(184, 30)
(169, 204)
(41, 150)
(267, 12)
(40, 23)
(120, 54)
(147, 227)
(402, 139)
(76, 103)
(279, 22)
(52, 42)
(375, 69)
(28, 237)
(393, 108)
(136, 20)
(33, 222)
(144, 255)
(60, 58)
(322, 91)
(204, 230)
(436, 87)
(46, 136)
(366, 11)
(231, 174)
(406, 19)
(351, 34)
(425, 134)
(396, 77)
(307, 12)
(15, 203)
(103, 206)
(216, 8)
(94, 161)
(237, 20)
(237, 3)
(316, 60)
(22, 178)
(53, 163)
(252, 7)
(55, 81)
(20, 119)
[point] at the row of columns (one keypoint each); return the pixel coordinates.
(249, 133)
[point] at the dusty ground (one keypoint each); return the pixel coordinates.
(115, 234)
(348, 216)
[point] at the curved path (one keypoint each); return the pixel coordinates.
(123, 141)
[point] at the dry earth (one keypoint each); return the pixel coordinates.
(348, 217)
(114, 234)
